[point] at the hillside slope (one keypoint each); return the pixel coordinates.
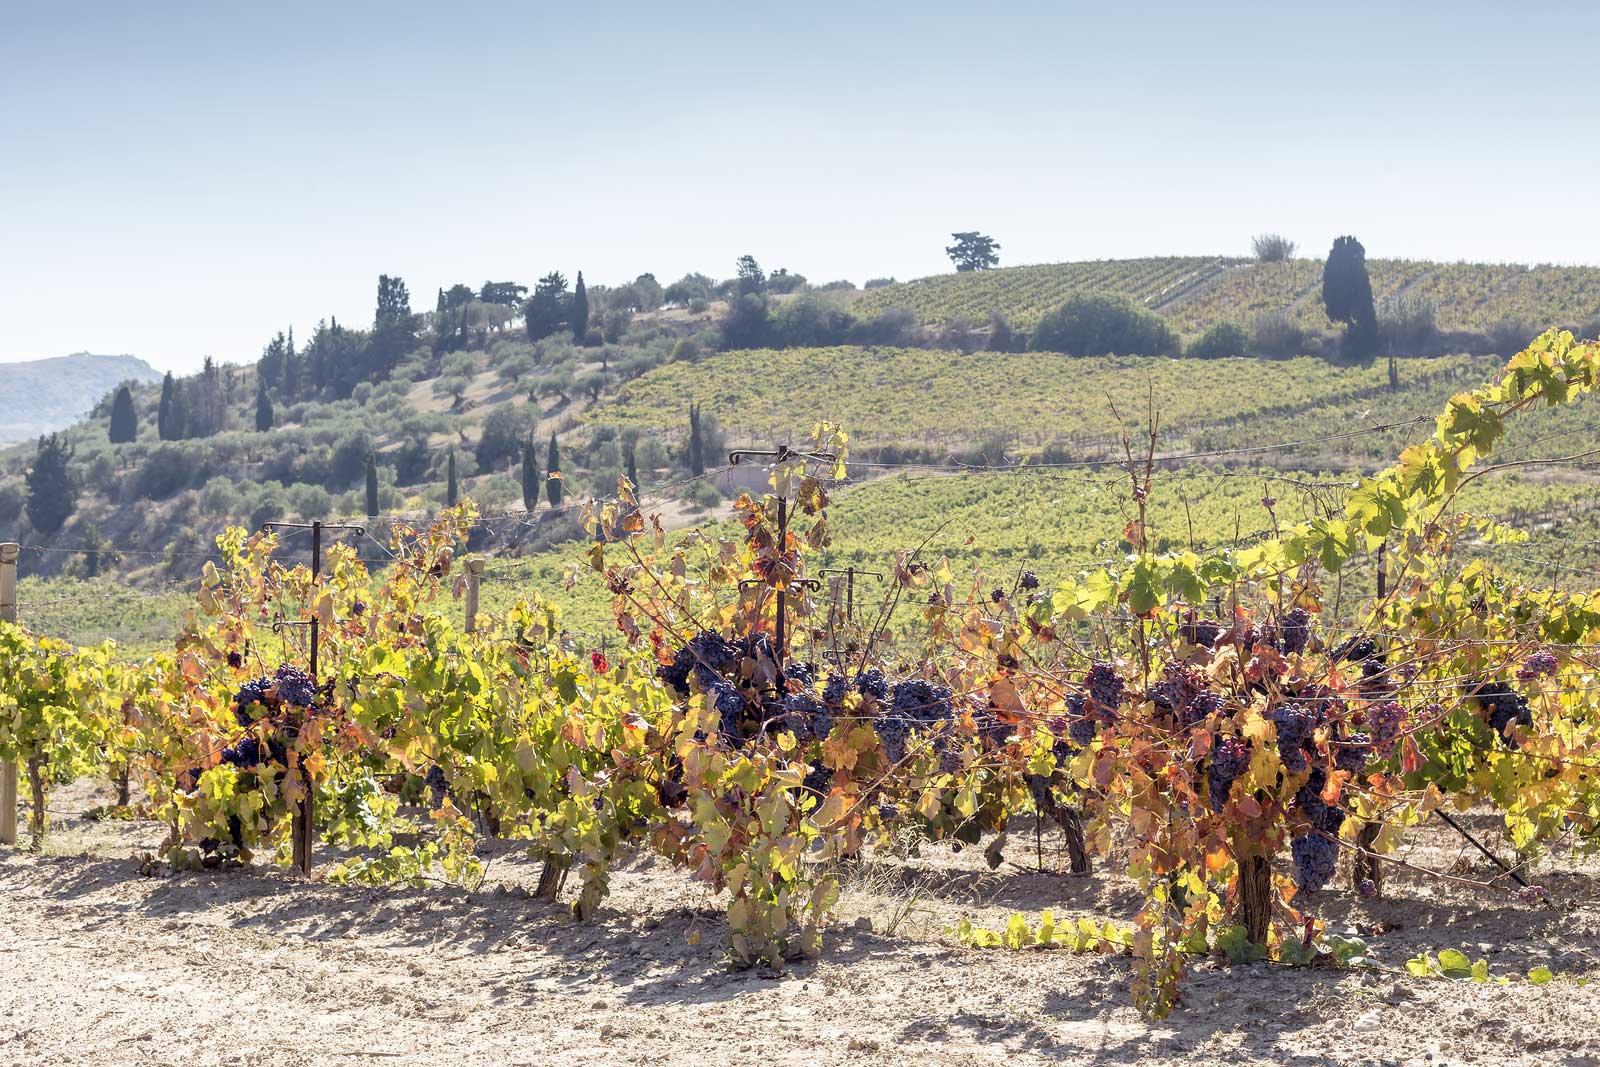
(1194, 292)
(44, 395)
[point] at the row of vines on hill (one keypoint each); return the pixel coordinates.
(1201, 712)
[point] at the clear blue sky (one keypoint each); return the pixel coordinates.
(183, 179)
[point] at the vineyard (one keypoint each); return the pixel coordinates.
(1195, 292)
(1252, 709)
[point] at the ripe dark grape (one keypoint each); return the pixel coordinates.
(834, 690)
(1295, 628)
(729, 703)
(1028, 580)
(1105, 689)
(1308, 801)
(295, 687)
(1353, 753)
(872, 683)
(804, 673)
(235, 660)
(251, 695)
(1202, 632)
(893, 732)
(1315, 859)
(1295, 723)
(244, 754)
(438, 785)
(1177, 693)
(1531, 894)
(997, 595)
(1353, 649)
(819, 779)
(1229, 759)
(1386, 721)
(806, 717)
(921, 702)
(1368, 888)
(888, 812)
(1538, 665)
(1505, 706)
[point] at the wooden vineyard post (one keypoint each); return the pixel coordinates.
(302, 833)
(8, 769)
(474, 577)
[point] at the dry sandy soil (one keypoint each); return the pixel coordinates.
(105, 966)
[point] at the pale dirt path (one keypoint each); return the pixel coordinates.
(100, 965)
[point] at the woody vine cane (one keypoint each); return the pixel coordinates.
(780, 455)
(302, 832)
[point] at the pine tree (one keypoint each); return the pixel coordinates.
(552, 482)
(451, 490)
(124, 420)
(166, 428)
(52, 496)
(580, 311)
(372, 484)
(697, 451)
(264, 415)
(530, 475)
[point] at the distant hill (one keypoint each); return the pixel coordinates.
(51, 394)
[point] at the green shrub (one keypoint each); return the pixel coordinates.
(1098, 324)
(1221, 340)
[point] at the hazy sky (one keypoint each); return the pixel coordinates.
(183, 179)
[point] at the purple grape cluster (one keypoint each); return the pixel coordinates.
(894, 731)
(1308, 801)
(872, 683)
(707, 656)
(1505, 706)
(1538, 665)
(730, 705)
(1105, 690)
(950, 760)
(819, 779)
(1356, 649)
(1295, 723)
(1028, 581)
(1386, 721)
(921, 701)
(1353, 754)
(1197, 631)
(250, 697)
(806, 717)
(1182, 693)
(1295, 630)
(1229, 759)
(295, 687)
(1315, 859)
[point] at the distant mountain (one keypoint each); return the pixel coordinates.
(51, 394)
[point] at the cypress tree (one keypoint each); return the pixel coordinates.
(451, 491)
(51, 492)
(372, 484)
(633, 467)
(291, 376)
(697, 452)
(164, 414)
(263, 409)
(530, 475)
(580, 311)
(1347, 298)
(124, 420)
(552, 482)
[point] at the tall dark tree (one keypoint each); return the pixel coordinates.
(269, 370)
(552, 481)
(1347, 298)
(579, 315)
(452, 492)
(170, 418)
(393, 328)
(205, 405)
(507, 294)
(632, 463)
(291, 377)
(530, 475)
(973, 251)
(124, 420)
(697, 448)
(372, 484)
(751, 278)
(52, 495)
(546, 310)
(263, 409)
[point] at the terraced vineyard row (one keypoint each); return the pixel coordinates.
(884, 395)
(1025, 293)
(1194, 292)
